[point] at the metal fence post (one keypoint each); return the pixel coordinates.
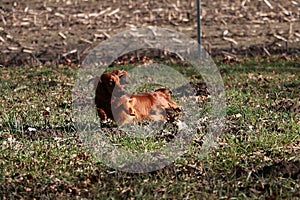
(199, 25)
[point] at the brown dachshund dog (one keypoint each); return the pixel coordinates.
(113, 103)
(153, 106)
(109, 88)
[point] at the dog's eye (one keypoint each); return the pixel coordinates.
(111, 82)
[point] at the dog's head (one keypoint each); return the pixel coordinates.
(113, 82)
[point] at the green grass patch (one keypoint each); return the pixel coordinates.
(257, 155)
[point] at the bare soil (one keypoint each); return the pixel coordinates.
(284, 168)
(46, 31)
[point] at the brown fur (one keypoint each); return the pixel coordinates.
(146, 106)
(109, 86)
(112, 102)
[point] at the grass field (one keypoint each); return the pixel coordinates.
(257, 156)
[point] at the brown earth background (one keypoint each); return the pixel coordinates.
(36, 31)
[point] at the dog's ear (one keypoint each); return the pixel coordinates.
(119, 73)
(122, 74)
(131, 110)
(116, 71)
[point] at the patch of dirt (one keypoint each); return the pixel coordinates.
(61, 31)
(287, 105)
(286, 169)
(40, 133)
(196, 89)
